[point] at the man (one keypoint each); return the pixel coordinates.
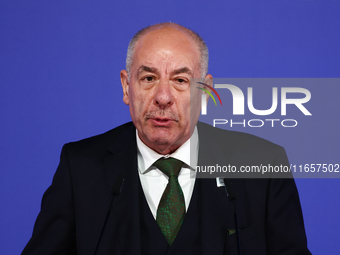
(114, 193)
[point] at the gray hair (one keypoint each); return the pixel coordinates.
(193, 35)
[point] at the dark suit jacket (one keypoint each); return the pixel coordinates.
(74, 207)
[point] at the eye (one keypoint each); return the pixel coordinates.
(148, 78)
(181, 83)
(181, 80)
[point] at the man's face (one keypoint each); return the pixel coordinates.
(158, 91)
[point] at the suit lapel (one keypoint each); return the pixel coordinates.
(215, 204)
(125, 207)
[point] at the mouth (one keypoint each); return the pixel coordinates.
(162, 122)
(162, 118)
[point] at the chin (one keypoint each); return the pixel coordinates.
(161, 140)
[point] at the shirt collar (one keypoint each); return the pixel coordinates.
(187, 153)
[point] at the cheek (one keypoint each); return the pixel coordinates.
(195, 107)
(184, 108)
(139, 104)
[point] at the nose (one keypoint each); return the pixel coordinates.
(163, 97)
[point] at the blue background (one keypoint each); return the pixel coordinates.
(59, 82)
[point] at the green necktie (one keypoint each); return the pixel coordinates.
(171, 208)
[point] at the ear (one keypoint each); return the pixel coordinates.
(124, 79)
(208, 80)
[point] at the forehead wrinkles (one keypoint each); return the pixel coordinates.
(165, 61)
(162, 45)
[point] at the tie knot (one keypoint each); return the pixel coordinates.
(169, 166)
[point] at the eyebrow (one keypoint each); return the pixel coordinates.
(147, 69)
(182, 70)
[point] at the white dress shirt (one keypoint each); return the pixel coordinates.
(154, 181)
